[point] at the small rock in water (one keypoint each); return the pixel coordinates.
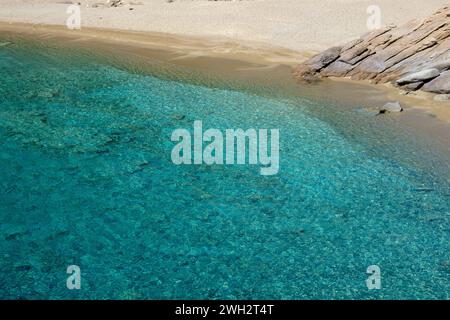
(391, 107)
(50, 93)
(23, 268)
(442, 97)
(13, 236)
(424, 190)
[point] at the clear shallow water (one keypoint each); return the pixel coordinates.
(86, 179)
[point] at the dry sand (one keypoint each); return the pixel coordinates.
(301, 25)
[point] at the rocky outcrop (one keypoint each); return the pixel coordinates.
(413, 56)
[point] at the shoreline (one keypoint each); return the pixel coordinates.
(253, 52)
(249, 65)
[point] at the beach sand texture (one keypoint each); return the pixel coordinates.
(301, 25)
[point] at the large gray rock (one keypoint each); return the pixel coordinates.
(440, 84)
(423, 75)
(415, 55)
(391, 107)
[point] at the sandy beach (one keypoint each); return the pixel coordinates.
(310, 25)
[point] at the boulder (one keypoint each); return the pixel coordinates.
(440, 84)
(391, 107)
(423, 75)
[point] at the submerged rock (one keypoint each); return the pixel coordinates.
(414, 56)
(25, 267)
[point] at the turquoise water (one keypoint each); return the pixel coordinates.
(86, 178)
